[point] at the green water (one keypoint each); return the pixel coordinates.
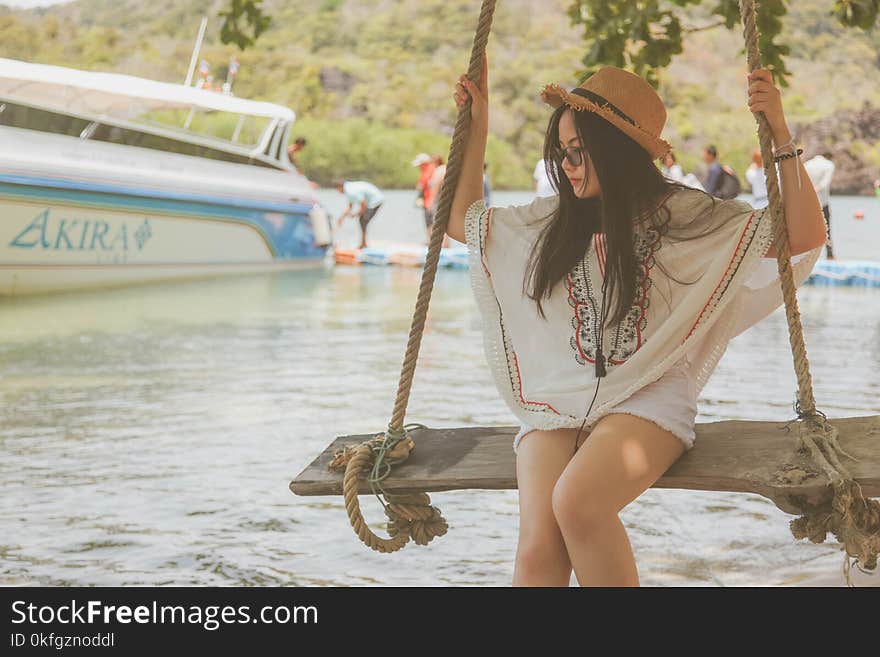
(148, 434)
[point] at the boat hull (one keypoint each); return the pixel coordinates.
(58, 235)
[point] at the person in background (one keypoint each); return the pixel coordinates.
(543, 186)
(721, 180)
(757, 180)
(431, 190)
(487, 186)
(364, 201)
(820, 169)
(434, 187)
(294, 149)
(426, 167)
(714, 173)
(671, 169)
(877, 188)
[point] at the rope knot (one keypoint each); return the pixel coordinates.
(391, 448)
(413, 515)
(410, 516)
(850, 517)
(397, 453)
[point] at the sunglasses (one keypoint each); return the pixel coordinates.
(574, 155)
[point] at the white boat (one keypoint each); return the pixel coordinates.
(110, 179)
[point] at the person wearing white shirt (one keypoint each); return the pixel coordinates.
(543, 184)
(821, 171)
(671, 169)
(364, 200)
(757, 180)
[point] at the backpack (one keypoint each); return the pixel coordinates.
(730, 186)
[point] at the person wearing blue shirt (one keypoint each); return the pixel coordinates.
(364, 201)
(714, 175)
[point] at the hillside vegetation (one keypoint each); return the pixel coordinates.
(371, 80)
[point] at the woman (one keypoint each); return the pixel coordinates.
(670, 274)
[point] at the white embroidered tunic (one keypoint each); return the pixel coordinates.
(545, 368)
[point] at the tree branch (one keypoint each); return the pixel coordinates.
(712, 26)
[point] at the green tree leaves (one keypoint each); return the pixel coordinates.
(644, 35)
(243, 23)
(640, 35)
(857, 13)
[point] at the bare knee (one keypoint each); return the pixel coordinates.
(578, 509)
(542, 562)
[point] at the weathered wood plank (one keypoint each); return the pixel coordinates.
(735, 456)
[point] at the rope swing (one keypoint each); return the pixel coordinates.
(845, 511)
(853, 519)
(414, 515)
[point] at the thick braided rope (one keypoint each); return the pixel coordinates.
(777, 209)
(444, 203)
(359, 463)
(409, 516)
(854, 520)
(412, 516)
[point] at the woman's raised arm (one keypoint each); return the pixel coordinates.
(470, 183)
(803, 214)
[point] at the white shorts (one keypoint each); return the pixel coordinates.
(670, 403)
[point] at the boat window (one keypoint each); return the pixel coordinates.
(234, 128)
(20, 116)
(117, 135)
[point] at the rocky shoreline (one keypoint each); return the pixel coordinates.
(853, 136)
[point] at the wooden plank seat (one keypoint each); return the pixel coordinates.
(737, 456)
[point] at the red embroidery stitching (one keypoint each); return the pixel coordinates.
(518, 388)
(724, 276)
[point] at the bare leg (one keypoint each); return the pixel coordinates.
(541, 557)
(622, 457)
(363, 221)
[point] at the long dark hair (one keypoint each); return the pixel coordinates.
(633, 190)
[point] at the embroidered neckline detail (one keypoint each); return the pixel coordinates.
(627, 337)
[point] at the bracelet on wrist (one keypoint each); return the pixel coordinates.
(778, 149)
(789, 155)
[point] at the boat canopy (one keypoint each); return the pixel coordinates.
(126, 101)
(111, 94)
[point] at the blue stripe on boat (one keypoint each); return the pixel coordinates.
(145, 193)
(294, 238)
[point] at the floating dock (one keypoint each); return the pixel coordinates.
(851, 273)
(384, 254)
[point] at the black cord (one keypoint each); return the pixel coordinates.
(600, 351)
(577, 437)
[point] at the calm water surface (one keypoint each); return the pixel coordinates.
(148, 434)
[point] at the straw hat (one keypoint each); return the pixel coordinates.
(623, 99)
(421, 158)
